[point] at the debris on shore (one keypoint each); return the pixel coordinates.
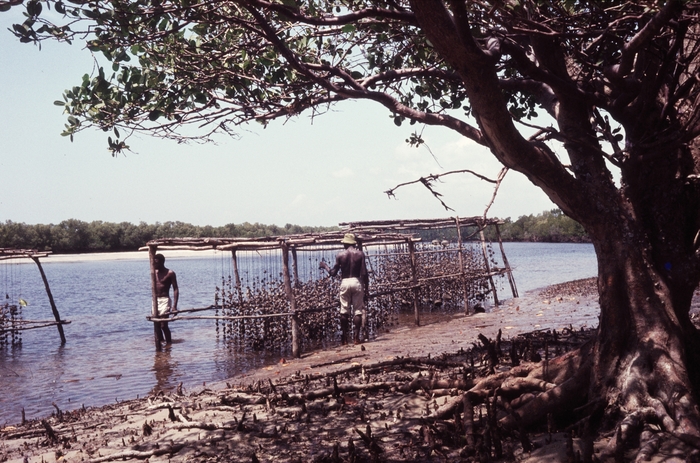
(398, 398)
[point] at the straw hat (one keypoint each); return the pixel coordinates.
(349, 238)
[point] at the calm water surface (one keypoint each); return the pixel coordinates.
(110, 355)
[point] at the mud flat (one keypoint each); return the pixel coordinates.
(386, 400)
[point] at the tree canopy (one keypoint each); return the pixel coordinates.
(74, 236)
(549, 226)
(219, 65)
(616, 146)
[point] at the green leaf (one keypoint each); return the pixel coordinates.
(59, 103)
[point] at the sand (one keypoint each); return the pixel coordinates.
(285, 412)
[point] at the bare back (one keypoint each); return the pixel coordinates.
(351, 263)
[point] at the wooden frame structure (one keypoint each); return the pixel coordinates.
(289, 245)
(33, 254)
(369, 234)
(477, 224)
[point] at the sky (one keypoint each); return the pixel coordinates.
(320, 172)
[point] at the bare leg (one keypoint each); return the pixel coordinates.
(158, 331)
(357, 322)
(166, 332)
(344, 327)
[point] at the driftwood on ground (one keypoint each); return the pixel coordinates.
(408, 409)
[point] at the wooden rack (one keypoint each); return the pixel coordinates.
(379, 233)
(33, 254)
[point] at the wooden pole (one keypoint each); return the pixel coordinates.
(56, 315)
(34, 326)
(414, 280)
(295, 267)
(296, 336)
(154, 296)
(365, 313)
(239, 292)
(220, 317)
(461, 267)
(237, 276)
(486, 263)
(511, 280)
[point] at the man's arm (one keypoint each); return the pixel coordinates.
(176, 292)
(334, 271)
(331, 271)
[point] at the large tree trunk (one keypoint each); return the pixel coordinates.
(645, 362)
(645, 353)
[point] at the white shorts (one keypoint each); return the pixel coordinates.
(352, 294)
(164, 305)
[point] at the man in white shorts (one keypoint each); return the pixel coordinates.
(354, 286)
(165, 279)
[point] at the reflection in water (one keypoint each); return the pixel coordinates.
(163, 369)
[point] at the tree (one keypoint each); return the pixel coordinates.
(549, 226)
(617, 79)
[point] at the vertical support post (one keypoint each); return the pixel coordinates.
(295, 267)
(365, 314)
(56, 315)
(236, 276)
(486, 263)
(296, 337)
(152, 248)
(461, 267)
(239, 293)
(414, 280)
(509, 271)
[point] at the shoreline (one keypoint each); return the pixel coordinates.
(127, 255)
(561, 305)
(566, 305)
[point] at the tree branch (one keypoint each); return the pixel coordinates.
(358, 92)
(429, 180)
(339, 20)
(669, 11)
(499, 180)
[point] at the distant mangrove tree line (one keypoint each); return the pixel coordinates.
(76, 236)
(549, 227)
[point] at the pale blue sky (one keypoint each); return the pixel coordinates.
(322, 172)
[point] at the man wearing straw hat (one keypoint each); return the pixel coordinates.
(353, 287)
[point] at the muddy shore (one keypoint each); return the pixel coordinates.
(349, 403)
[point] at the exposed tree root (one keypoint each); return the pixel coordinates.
(404, 410)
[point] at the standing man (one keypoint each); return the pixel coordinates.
(165, 278)
(354, 286)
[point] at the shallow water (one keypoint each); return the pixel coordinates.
(536, 265)
(109, 355)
